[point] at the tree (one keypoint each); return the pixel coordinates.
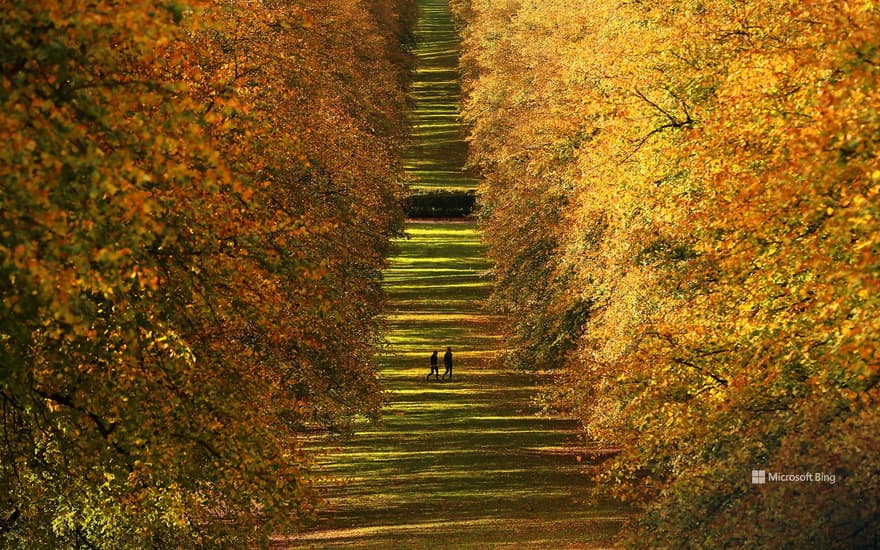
(716, 247)
(188, 282)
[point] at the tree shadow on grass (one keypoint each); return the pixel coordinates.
(464, 463)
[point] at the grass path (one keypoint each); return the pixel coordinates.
(438, 153)
(461, 464)
(467, 463)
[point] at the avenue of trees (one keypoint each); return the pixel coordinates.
(196, 201)
(681, 201)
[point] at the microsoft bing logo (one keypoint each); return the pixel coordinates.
(762, 477)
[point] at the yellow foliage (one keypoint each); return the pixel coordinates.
(680, 200)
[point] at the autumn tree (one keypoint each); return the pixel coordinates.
(694, 186)
(525, 152)
(196, 205)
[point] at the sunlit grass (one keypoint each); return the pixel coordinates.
(471, 452)
(465, 463)
(438, 150)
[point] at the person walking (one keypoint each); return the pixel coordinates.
(435, 370)
(447, 362)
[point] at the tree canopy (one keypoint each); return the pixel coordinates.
(196, 205)
(681, 202)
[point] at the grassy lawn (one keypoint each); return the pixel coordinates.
(465, 463)
(438, 152)
(460, 464)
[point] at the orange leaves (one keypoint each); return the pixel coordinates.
(185, 282)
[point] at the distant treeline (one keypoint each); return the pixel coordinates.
(441, 204)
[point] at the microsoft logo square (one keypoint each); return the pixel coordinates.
(759, 477)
